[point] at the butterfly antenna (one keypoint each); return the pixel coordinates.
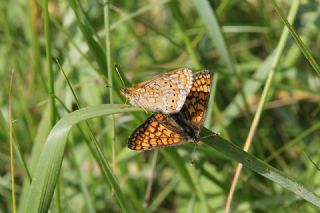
(120, 77)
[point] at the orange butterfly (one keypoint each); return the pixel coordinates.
(165, 93)
(161, 130)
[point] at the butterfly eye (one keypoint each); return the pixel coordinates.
(124, 91)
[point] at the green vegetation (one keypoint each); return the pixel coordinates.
(266, 94)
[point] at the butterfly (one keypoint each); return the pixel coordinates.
(162, 130)
(165, 93)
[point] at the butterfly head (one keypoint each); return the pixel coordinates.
(126, 93)
(130, 96)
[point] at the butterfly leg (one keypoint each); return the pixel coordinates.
(194, 153)
(125, 104)
(144, 109)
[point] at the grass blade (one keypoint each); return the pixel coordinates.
(47, 171)
(257, 116)
(174, 158)
(305, 50)
(95, 47)
(235, 153)
(110, 81)
(11, 149)
(215, 33)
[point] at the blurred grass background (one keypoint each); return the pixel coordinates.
(149, 37)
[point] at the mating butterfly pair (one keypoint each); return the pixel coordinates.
(182, 99)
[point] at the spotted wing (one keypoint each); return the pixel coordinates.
(157, 131)
(165, 93)
(193, 112)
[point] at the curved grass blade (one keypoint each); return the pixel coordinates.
(257, 165)
(47, 170)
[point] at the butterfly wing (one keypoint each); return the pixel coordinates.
(166, 92)
(192, 114)
(157, 131)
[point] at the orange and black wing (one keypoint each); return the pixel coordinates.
(157, 131)
(194, 109)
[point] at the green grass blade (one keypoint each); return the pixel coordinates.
(144, 9)
(300, 137)
(95, 48)
(163, 194)
(49, 62)
(179, 17)
(42, 134)
(305, 50)
(263, 99)
(36, 55)
(236, 153)
(47, 171)
(174, 158)
(110, 80)
(84, 188)
(215, 33)
(210, 20)
(13, 191)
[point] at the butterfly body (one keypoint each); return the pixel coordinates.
(190, 132)
(162, 130)
(165, 93)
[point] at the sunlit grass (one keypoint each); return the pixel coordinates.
(238, 41)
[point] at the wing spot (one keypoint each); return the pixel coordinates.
(154, 124)
(158, 116)
(170, 140)
(159, 141)
(151, 129)
(137, 147)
